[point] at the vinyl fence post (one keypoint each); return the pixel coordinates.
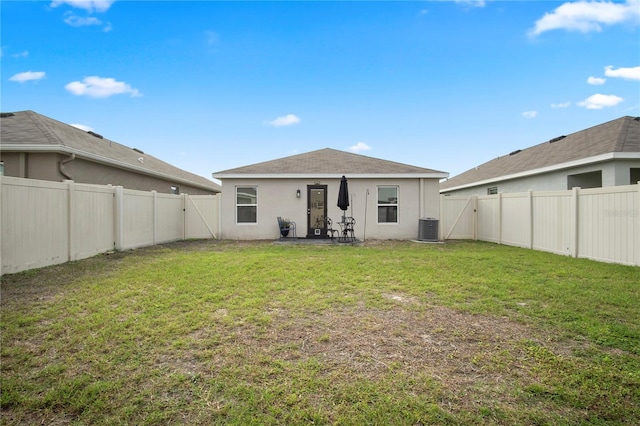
(71, 222)
(636, 213)
(531, 230)
(500, 218)
(184, 216)
(575, 225)
(119, 217)
(1, 230)
(154, 195)
(219, 214)
(441, 217)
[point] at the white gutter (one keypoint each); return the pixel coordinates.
(104, 160)
(555, 167)
(434, 175)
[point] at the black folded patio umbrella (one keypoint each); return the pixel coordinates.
(343, 196)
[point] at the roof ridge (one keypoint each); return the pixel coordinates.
(50, 135)
(326, 161)
(627, 126)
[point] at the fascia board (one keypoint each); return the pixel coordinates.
(103, 160)
(582, 162)
(435, 175)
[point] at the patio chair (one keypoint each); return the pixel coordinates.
(330, 231)
(287, 227)
(347, 225)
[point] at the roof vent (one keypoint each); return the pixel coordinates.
(140, 160)
(95, 134)
(559, 138)
(138, 150)
(515, 152)
(6, 114)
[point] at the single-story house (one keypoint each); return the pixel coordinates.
(386, 198)
(38, 147)
(600, 156)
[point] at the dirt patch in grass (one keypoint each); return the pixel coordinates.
(477, 359)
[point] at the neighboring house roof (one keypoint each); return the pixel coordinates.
(28, 131)
(329, 163)
(615, 139)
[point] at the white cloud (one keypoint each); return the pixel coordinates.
(82, 127)
(22, 54)
(530, 114)
(359, 147)
(561, 105)
(599, 101)
(586, 16)
(626, 73)
(472, 3)
(99, 87)
(596, 81)
(88, 5)
(285, 120)
(81, 21)
(21, 77)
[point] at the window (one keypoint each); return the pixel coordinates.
(634, 175)
(175, 189)
(585, 180)
(387, 204)
(246, 204)
(492, 191)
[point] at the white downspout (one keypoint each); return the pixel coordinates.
(63, 171)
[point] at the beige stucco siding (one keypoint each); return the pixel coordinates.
(101, 174)
(46, 166)
(614, 173)
(277, 197)
(32, 165)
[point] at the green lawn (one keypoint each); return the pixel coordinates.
(383, 333)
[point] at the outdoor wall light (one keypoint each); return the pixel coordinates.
(298, 193)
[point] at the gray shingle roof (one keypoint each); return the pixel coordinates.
(328, 162)
(616, 136)
(29, 130)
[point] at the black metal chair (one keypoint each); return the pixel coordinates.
(287, 227)
(348, 233)
(330, 231)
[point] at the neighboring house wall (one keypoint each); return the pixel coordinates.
(277, 197)
(614, 173)
(90, 172)
(46, 166)
(31, 165)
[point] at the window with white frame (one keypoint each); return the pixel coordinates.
(492, 190)
(387, 204)
(246, 204)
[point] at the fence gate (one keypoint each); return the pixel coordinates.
(457, 217)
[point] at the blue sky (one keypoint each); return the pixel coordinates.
(209, 86)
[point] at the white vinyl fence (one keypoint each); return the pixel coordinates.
(601, 223)
(44, 223)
